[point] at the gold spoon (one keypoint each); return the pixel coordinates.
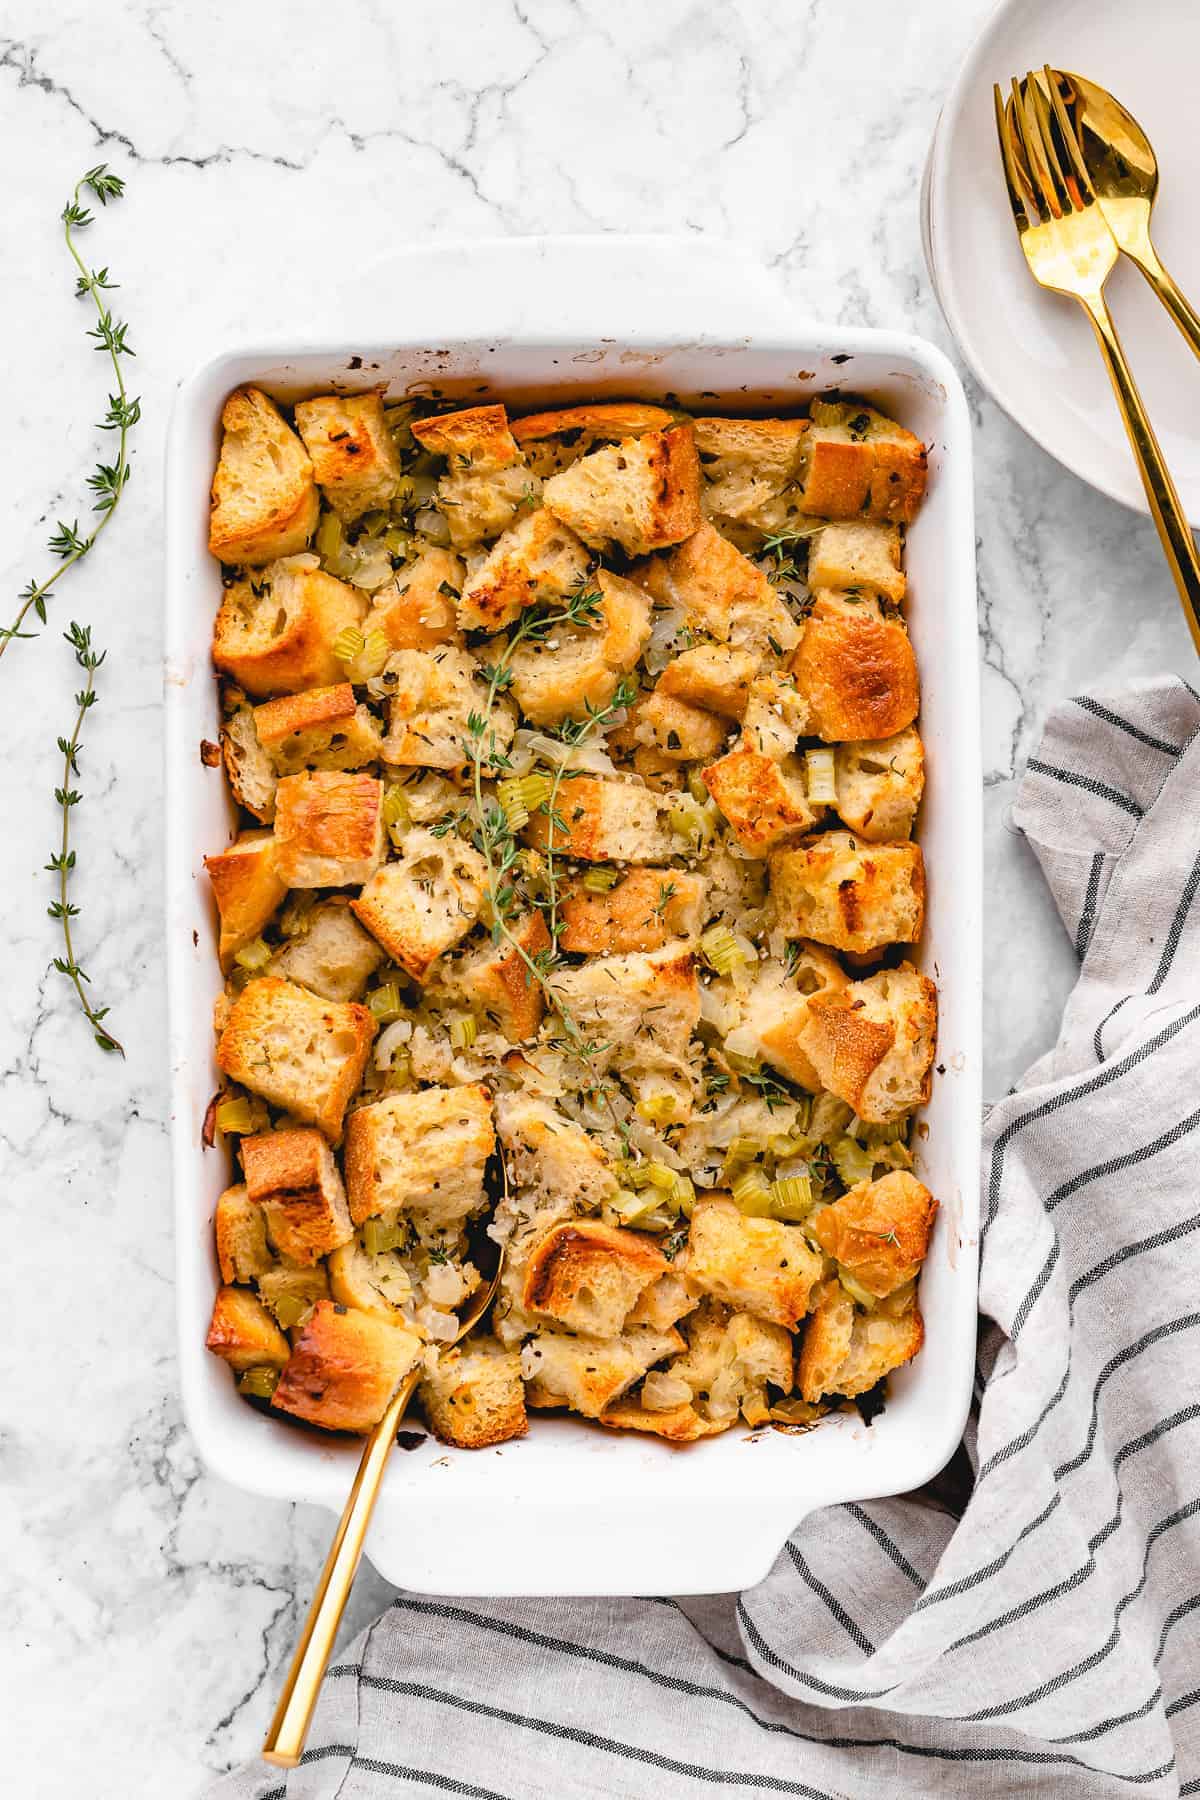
(1124, 173)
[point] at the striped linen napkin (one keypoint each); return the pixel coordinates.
(1046, 1643)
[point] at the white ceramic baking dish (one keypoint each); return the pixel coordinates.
(573, 1508)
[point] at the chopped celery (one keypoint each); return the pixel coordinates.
(852, 1162)
(373, 523)
(289, 1310)
(660, 1176)
(379, 1236)
(330, 539)
(752, 1193)
(463, 1030)
(720, 949)
(820, 772)
(254, 956)
(260, 1382)
(385, 1003)
(688, 819)
(395, 808)
(235, 1117)
(601, 881)
(696, 787)
(791, 1198)
(371, 658)
(348, 644)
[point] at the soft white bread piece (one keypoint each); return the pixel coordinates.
(766, 802)
(276, 629)
(378, 1283)
(848, 894)
(588, 1374)
(247, 888)
(712, 676)
(846, 1351)
(730, 1359)
(302, 1054)
(671, 730)
(642, 493)
(644, 911)
(747, 465)
(722, 594)
(666, 1300)
(860, 462)
(537, 560)
(420, 1155)
(879, 1231)
(252, 779)
(588, 1276)
(474, 1396)
(498, 982)
(345, 1368)
(872, 1043)
(243, 1333)
(328, 829)
(879, 785)
(332, 955)
(754, 1265)
(647, 1000)
(433, 695)
(857, 553)
(322, 728)
(486, 481)
(606, 821)
(292, 1175)
(353, 456)
(554, 440)
(264, 499)
(856, 669)
(291, 1283)
(775, 1012)
(418, 610)
(576, 669)
(425, 900)
(240, 1228)
(776, 716)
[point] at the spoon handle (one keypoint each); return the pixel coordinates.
(1172, 296)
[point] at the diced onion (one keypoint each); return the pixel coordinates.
(820, 771)
(431, 524)
(590, 756)
(254, 955)
(392, 1041)
(661, 1391)
(855, 1290)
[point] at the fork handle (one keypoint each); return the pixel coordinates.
(1173, 298)
(1169, 516)
(284, 1743)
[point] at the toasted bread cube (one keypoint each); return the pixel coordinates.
(292, 1175)
(478, 435)
(251, 777)
(776, 1013)
(418, 609)
(475, 1396)
(713, 676)
(879, 786)
(651, 996)
(776, 717)
(587, 1374)
(576, 669)
(858, 554)
(537, 560)
(666, 1300)
(240, 1228)
(606, 821)
(644, 911)
(328, 829)
(243, 1333)
(722, 593)
(754, 1265)
(422, 1155)
(264, 499)
(677, 1424)
(425, 900)
(379, 1283)
(588, 1276)
(858, 461)
(846, 1351)
(558, 1169)
(247, 888)
(553, 441)
(765, 802)
(353, 456)
(879, 1231)
(747, 464)
(322, 728)
(641, 493)
(290, 1282)
(499, 982)
(345, 1368)
(729, 1361)
(671, 729)
(276, 629)
(434, 694)
(302, 1054)
(851, 895)
(872, 1043)
(333, 955)
(856, 669)
(486, 480)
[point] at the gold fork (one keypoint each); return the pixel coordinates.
(1070, 249)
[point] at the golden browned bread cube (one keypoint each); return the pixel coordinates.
(765, 802)
(714, 676)
(879, 1231)
(641, 493)
(851, 895)
(486, 481)
(748, 464)
(576, 669)
(240, 1229)
(644, 911)
(252, 780)
(846, 1351)
(353, 456)
(722, 593)
(776, 716)
(755, 1265)
(587, 1374)
(588, 1276)
(418, 610)
(247, 888)
(879, 785)
(425, 900)
(331, 954)
(276, 629)
(606, 821)
(264, 500)
(422, 1155)
(671, 729)
(290, 1283)
(345, 1368)
(302, 1054)
(375, 1282)
(433, 696)
(652, 997)
(857, 553)
(479, 435)
(499, 982)
(554, 440)
(537, 560)
(677, 1424)
(292, 1175)
(775, 1012)
(328, 829)
(322, 728)
(475, 1396)
(856, 669)
(873, 1042)
(858, 461)
(730, 1360)
(243, 1333)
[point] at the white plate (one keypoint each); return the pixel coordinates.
(1034, 351)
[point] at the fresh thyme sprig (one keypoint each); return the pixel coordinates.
(63, 862)
(780, 547)
(108, 480)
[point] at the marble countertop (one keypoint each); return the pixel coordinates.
(147, 1607)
